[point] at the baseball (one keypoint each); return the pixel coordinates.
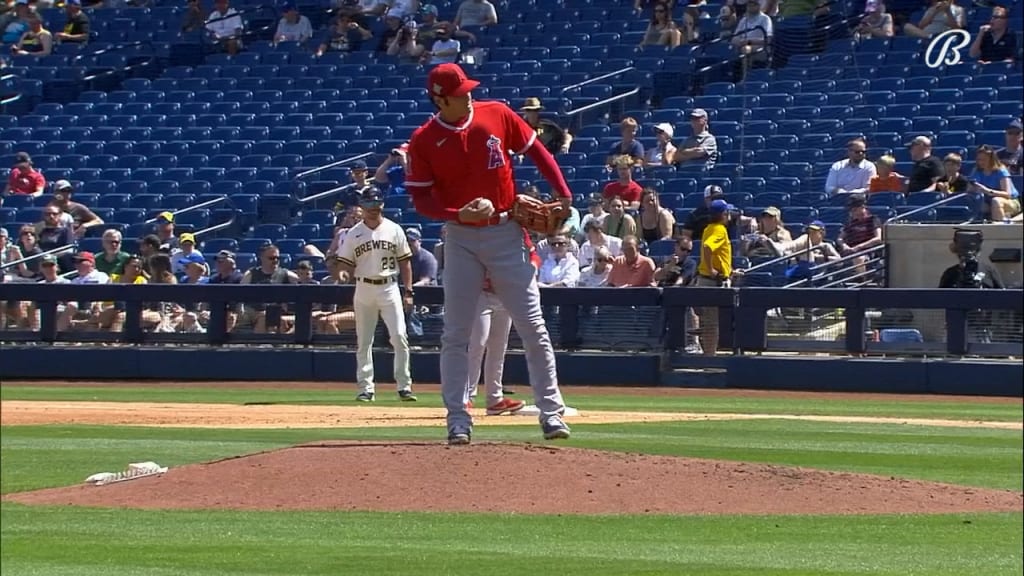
(484, 204)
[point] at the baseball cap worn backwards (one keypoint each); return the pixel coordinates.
(413, 233)
(713, 190)
(719, 206)
(449, 80)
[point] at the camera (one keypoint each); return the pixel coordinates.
(967, 245)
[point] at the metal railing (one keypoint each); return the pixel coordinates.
(901, 218)
(334, 164)
(574, 116)
(27, 259)
(191, 208)
(206, 37)
(867, 268)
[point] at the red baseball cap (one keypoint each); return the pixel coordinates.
(449, 80)
(85, 257)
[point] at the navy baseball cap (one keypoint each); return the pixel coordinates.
(358, 165)
(719, 206)
(289, 6)
(371, 196)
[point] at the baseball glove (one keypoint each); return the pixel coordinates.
(536, 216)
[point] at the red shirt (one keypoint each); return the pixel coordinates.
(450, 166)
(629, 192)
(25, 181)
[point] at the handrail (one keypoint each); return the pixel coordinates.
(598, 78)
(333, 165)
(191, 208)
(783, 258)
(604, 102)
(215, 227)
(26, 259)
(833, 263)
(327, 193)
(240, 14)
(901, 217)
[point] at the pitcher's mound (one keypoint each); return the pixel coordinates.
(518, 478)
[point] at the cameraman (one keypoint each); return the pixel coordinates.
(969, 272)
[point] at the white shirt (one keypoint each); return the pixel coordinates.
(375, 253)
(94, 277)
(588, 217)
(748, 27)
(441, 45)
(227, 27)
(472, 13)
(300, 31)
(613, 244)
(591, 279)
(566, 271)
(849, 177)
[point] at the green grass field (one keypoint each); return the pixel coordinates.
(82, 541)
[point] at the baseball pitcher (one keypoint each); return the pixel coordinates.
(375, 253)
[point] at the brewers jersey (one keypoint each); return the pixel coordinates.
(375, 253)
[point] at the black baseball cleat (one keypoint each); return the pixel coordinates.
(406, 396)
(365, 397)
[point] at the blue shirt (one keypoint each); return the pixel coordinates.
(635, 149)
(994, 180)
(396, 179)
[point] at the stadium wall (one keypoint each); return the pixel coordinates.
(918, 253)
(879, 375)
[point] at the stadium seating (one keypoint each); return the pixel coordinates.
(180, 123)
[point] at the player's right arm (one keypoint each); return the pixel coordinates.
(419, 181)
(347, 257)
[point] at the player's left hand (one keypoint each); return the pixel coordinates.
(477, 210)
(566, 203)
(407, 302)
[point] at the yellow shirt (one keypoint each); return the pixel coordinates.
(116, 279)
(715, 252)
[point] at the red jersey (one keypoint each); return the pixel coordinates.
(629, 193)
(458, 164)
(25, 181)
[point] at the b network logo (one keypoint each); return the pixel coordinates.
(945, 48)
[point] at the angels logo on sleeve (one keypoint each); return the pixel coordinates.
(496, 157)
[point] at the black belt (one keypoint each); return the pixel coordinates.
(377, 281)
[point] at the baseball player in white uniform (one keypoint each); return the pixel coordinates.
(376, 253)
(490, 336)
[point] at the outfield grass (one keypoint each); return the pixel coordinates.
(68, 541)
(88, 542)
(344, 395)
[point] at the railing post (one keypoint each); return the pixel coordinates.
(303, 321)
(47, 320)
(217, 327)
(675, 323)
(750, 326)
(855, 328)
(132, 329)
(956, 331)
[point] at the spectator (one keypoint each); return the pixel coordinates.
(618, 223)
(36, 41)
(927, 168)
(84, 314)
(811, 247)
(595, 275)
(678, 269)
(852, 175)
(343, 222)
(348, 197)
(9, 251)
(1000, 198)
(688, 32)
(628, 145)
(24, 247)
(476, 13)
(560, 268)
(344, 35)
(632, 269)
(293, 26)
(863, 229)
(304, 272)
(624, 187)
(24, 178)
(429, 25)
(226, 273)
(655, 223)
(665, 151)
(260, 315)
(770, 229)
(554, 138)
(226, 26)
(1010, 156)
(640, 5)
(661, 31)
(391, 172)
(424, 265)
(597, 240)
(111, 316)
(186, 254)
(15, 23)
(165, 232)
(543, 246)
(405, 46)
(596, 213)
(943, 15)
(333, 318)
(76, 23)
(112, 260)
(149, 246)
(74, 215)
(49, 274)
(404, 9)
(161, 316)
(445, 48)
(195, 17)
(371, 8)
(886, 179)
(753, 34)
(953, 182)
(51, 234)
(701, 146)
(726, 21)
(699, 218)
(392, 27)
(877, 23)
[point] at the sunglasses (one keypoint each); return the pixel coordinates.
(51, 213)
(114, 242)
(558, 243)
(859, 151)
(273, 258)
(28, 233)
